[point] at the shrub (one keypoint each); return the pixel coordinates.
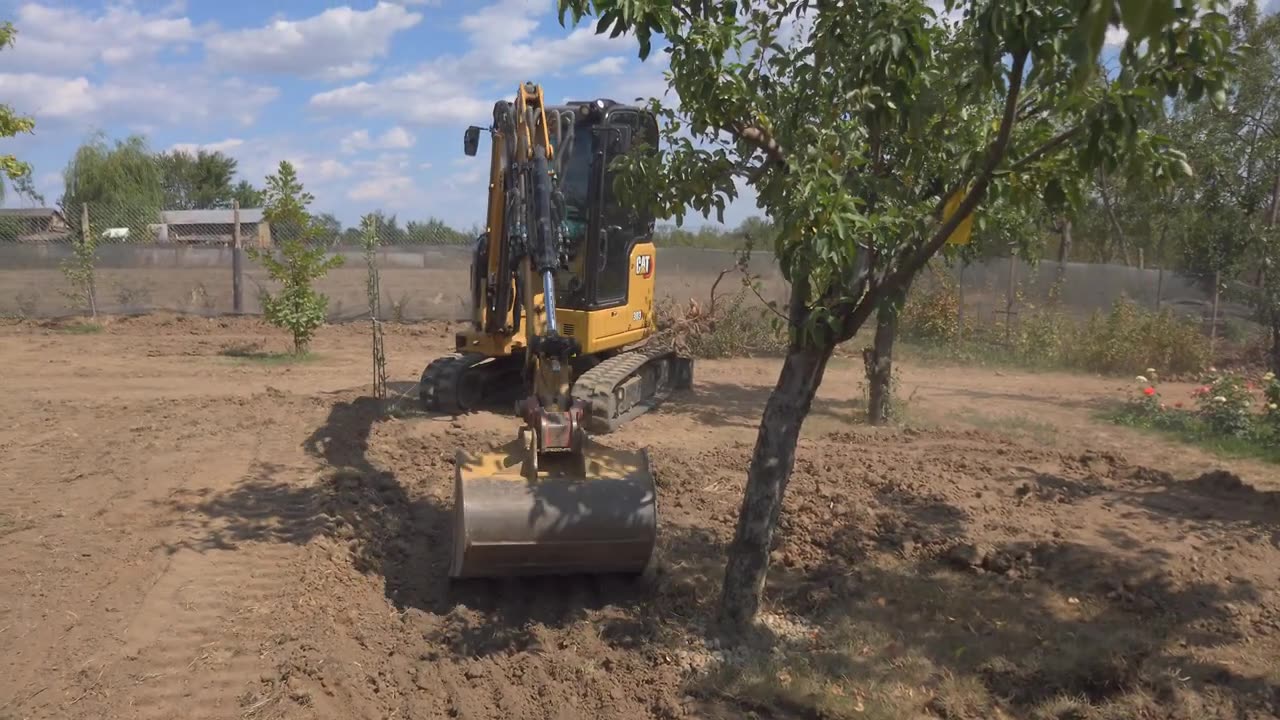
(1130, 338)
(932, 314)
(1224, 404)
(1271, 411)
(1044, 336)
(298, 307)
(1147, 408)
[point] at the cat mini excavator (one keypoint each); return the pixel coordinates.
(562, 290)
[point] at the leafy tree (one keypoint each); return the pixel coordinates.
(328, 229)
(247, 195)
(11, 124)
(857, 130)
(80, 271)
(298, 307)
(122, 184)
(197, 182)
(389, 231)
(433, 232)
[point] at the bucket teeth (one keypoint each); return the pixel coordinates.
(588, 513)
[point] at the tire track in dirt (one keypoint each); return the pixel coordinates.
(197, 638)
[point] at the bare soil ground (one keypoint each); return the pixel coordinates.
(189, 534)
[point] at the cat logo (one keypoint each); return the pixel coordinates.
(644, 265)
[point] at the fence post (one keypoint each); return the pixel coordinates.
(1213, 322)
(1160, 287)
(237, 264)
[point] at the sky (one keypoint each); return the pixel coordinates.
(368, 100)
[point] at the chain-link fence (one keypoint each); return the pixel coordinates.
(185, 261)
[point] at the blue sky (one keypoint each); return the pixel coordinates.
(368, 99)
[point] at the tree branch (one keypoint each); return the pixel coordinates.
(760, 139)
(1048, 147)
(995, 154)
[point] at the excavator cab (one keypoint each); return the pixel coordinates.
(562, 286)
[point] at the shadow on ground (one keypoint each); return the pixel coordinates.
(901, 599)
(731, 405)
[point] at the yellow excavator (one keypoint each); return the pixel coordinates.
(562, 291)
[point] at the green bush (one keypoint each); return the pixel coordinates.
(1271, 413)
(932, 314)
(1224, 404)
(1043, 337)
(298, 307)
(1130, 338)
(1224, 417)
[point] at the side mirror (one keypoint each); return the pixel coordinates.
(471, 140)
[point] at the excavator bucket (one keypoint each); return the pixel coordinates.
(588, 513)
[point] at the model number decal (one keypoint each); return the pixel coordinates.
(644, 265)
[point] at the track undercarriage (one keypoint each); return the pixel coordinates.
(616, 388)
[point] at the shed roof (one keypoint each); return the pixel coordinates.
(224, 216)
(29, 212)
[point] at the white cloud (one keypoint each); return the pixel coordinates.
(387, 182)
(142, 99)
(52, 39)
(382, 190)
(423, 97)
(611, 65)
(396, 138)
(338, 44)
(221, 146)
(462, 88)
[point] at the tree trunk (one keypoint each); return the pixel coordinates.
(771, 464)
(880, 361)
(1064, 247)
(1275, 343)
(1270, 297)
(1064, 252)
(1113, 221)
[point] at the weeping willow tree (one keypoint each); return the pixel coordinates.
(122, 183)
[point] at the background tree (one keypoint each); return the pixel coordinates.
(121, 182)
(247, 195)
(433, 232)
(328, 229)
(197, 182)
(857, 129)
(297, 307)
(11, 123)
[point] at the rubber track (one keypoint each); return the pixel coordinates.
(438, 388)
(597, 385)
